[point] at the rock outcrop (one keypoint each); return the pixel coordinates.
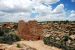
(20, 47)
(16, 46)
(30, 30)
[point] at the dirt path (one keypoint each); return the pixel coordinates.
(39, 45)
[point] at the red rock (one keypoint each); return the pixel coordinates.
(30, 30)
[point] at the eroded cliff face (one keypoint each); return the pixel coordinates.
(30, 30)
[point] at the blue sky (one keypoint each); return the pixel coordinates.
(40, 10)
(69, 4)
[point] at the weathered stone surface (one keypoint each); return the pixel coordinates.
(30, 30)
(72, 37)
(22, 47)
(3, 46)
(23, 28)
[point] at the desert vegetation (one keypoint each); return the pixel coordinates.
(8, 35)
(64, 39)
(60, 34)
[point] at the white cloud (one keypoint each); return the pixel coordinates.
(46, 1)
(59, 9)
(43, 10)
(52, 17)
(21, 5)
(2, 13)
(15, 17)
(72, 13)
(15, 10)
(72, 16)
(15, 5)
(73, 0)
(57, 14)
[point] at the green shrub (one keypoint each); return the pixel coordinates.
(1, 33)
(10, 38)
(18, 45)
(46, 40)
(62, 43)
(6, 30)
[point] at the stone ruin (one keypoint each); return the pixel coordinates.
(30, 30)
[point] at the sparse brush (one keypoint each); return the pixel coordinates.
(18, 45)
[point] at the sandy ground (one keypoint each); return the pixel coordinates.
(39, 45)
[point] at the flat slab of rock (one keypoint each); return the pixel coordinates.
(39, 45)
(29, 45)
(21, 47)
(3, 46)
